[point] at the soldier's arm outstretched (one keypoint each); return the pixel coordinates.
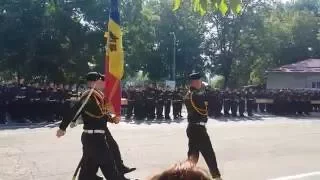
(68, 117)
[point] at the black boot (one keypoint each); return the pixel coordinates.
(98, 178)
(124, 169)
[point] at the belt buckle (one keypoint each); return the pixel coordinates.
(94, 131)
(202, 123)
(89, 131)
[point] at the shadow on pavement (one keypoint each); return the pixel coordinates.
(255, 117)
(153, 121)
(12, 125)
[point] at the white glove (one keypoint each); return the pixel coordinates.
(73, 124)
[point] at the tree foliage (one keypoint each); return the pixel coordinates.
(239, 40)
(203, 6)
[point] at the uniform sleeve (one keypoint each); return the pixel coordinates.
(69, 116)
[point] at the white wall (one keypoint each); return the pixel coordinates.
(278, 80)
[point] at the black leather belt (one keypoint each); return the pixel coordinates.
(199, 123)
(94, 131)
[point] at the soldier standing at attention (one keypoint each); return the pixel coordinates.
(167, 103)
(242, 103)
(159, 103)
(180, 102)
(96, 151)
(199, 141)
(2, 105)
(175, 104)
(226, 102)
(234, 103)
(250, 101)
(131, 101)
(150, 94)
(212, 102)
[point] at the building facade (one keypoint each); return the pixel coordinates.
(301, 75)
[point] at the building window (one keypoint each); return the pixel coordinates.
(316, 85)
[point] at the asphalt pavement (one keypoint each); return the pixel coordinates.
(264, 147)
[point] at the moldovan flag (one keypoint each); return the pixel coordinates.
(114, 62)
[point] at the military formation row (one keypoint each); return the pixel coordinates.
(150, 102)
(36, 103)
(48, 103)
(153, 102)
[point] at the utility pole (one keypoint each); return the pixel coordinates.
(174, 56)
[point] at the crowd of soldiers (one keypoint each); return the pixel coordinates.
(278, 102)
(151, 102)
(34, 102)
(38, 103)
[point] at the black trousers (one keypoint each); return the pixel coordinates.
(180, 108)
(130, 108)
(150, 108)
(199, 141)
(2, 114)
(175, 109)
(250, 107)
(242, 104)
(234, 108)
(226, 107)
(167, 108)
(159, 109)
(96, 154)
(114, 148)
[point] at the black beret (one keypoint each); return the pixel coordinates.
(195, 76)
(94, 76)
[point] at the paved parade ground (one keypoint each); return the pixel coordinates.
(260, 148)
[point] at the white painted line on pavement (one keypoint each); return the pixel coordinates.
(298, 176)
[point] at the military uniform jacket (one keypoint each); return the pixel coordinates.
(196, 104)
(168, 96)
(160, 96)
(177, 98)
(131, 95)
(94, 113)
(150, 94)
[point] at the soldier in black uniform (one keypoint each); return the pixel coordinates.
(22, 101)
(139, 111)
(150, 94)
(250, 102)
(180, 102)
(131, 102)
(199, 141)
(96, 151)
(2, 105)
(226, 102)
(33, 103)
(167, 103)
(159, 103)
(212, 102)
(242, 103)
(67, 95)
(175, 105)
(219, 103)
(234, 103)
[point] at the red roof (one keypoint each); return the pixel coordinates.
(309, 65)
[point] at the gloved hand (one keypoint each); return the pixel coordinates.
(73, 124)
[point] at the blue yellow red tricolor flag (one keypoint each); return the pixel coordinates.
(114, 62)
